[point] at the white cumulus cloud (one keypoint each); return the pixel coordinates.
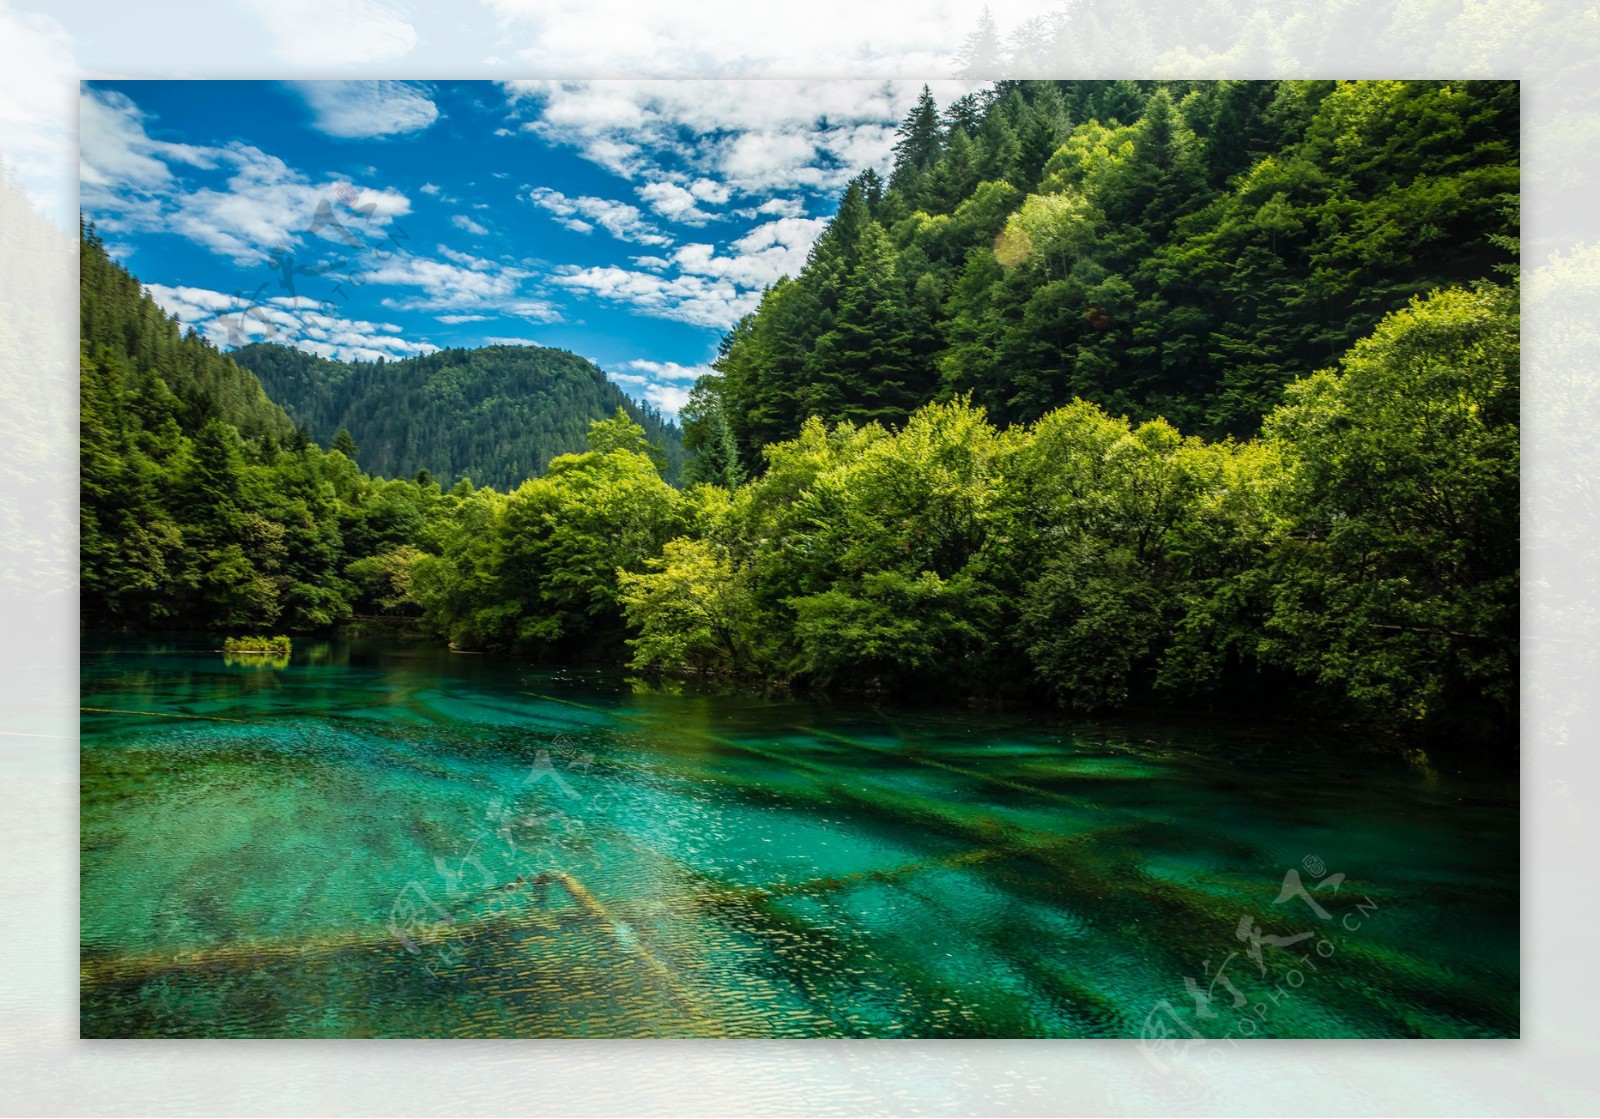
(669, 370)
(233, 320)
(700, 300)
(714, 139)
(583, 213)
(449, 286)
(353, 109)
(759, 258)
(670, 397)
(132, 182)
(675, 203)
(334, 33)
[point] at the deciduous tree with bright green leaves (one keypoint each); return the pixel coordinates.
(1395, 530)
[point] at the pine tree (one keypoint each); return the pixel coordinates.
(998, 147)
(716, 455)
(871, 365)
(871, 190)
(917, 146)
(1121, 102)
(1037, 145)
(965, 114)
(953, 177)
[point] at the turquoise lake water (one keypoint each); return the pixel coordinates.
(385, 839)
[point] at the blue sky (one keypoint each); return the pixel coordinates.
(631, 222)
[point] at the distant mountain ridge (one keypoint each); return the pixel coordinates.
(498, 414)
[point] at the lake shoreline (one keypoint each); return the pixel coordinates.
(1334, 733)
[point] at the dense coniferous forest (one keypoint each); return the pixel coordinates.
(1172, 249)
(201, 504)
(496, 415)
(1122, 394)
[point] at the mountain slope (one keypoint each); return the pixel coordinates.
(126, 336)
(200, 506)
(1178, 249)
(497, 415)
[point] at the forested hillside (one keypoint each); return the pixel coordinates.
(497, 415)
(148, 367)
(1161, 248)
(201, 504)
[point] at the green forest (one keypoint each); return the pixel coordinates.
(1110, 396)
(496, 415)
(1174, 249)
(202, 505)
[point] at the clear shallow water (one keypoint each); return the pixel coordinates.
(384, 839)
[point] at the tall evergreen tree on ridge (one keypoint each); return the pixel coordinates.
(918, 144)
(1170, 248)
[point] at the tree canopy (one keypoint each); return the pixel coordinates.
(497, 414)
(1177, 249)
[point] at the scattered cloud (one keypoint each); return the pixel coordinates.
(670, 370)
(759, 258)
(699, 300)
(718, 139)
(669, 398)
(367, 109)
(117, 153)
(461, 221)
(665, 384)
(131, 182)
(233, 320)
(675, 203)
(466, 260)
(128, 182)
(781, 207)
(709, 190)
(582, 214)
(471, 289)
(456, 320)
(698, 283)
